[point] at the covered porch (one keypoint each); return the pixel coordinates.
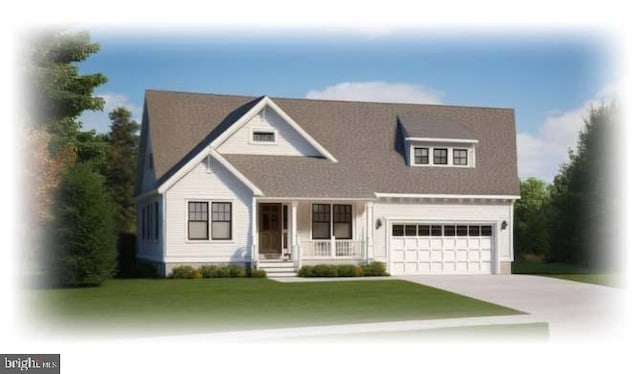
(311, 231)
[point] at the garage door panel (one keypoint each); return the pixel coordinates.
(424, 249)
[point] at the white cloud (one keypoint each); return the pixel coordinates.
(99, 121)
(378, 91)
(541, 154)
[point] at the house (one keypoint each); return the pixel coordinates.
(279, 183)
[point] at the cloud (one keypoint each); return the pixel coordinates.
(378, 91)
(541, 154)
(99, 121)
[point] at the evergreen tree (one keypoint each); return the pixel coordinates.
(121, 167)
(582, 204)
(84, 241)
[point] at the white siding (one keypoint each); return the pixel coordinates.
(288, 141)
(200, 184)
(445, 213)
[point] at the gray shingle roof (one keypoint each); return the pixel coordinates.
(364, 137)
(417, 125)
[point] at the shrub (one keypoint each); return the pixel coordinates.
(223, 272)
(84, 241)
(358, 271)
(325, 271)
(208, 271)
(196, 274)
(374, 269)
(305, 271)
(346, 270)
(182, 272)
(258, 273)
(236, 271)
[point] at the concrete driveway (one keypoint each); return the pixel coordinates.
(572, 309)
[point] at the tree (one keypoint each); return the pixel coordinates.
(530, 213)
(121, 167)
(84, 241)
(582, 204)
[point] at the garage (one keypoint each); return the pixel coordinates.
(418, 248)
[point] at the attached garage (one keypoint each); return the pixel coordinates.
(421, 248)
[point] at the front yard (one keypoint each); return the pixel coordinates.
(162, 306)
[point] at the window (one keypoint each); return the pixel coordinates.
(421, 156)
(321, 221)
(397, 230)
(264, 136)
(440, 156)
(449, 231)
(485, 231)
(156, 220)
(150, 160)
(474, 230)
(423, 230)
(436, 230)
(144, 222)
(221, 221)
(198, 219)
(459, 156)
(461, 230)
(342, 221)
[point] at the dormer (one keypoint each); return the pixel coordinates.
(430, 142)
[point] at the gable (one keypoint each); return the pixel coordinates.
(286, 141)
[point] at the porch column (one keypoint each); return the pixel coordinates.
(254, 234)
(370, 231)
(295, 249)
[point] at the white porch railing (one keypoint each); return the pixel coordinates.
(336, 249)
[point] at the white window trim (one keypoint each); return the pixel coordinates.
(263, 129)
(471, 155)
(209, 200)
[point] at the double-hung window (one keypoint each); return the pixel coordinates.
(328, 220)
(209, 220)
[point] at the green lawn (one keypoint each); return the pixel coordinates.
(565, 271)
(163, 306)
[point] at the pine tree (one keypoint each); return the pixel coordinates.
(121, 167)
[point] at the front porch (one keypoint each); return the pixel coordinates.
(312, 231)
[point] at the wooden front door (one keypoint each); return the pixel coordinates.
(270, 229)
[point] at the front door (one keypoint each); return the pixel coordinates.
(270, 230)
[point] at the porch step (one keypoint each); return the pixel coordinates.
(278, 269)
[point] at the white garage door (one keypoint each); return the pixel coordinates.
(441, 248)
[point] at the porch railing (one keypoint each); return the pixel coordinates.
(323, 249)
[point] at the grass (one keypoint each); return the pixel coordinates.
(568, 272)
(165, 306)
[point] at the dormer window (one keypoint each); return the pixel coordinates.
(440, 156)
(421, 156)
(460, 157)
(263, 136)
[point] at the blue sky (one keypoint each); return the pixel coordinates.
(549, 80)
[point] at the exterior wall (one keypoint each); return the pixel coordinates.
(218, 184)
(505, 267)
(288, 141)
(150, 250)
(358, 212)
(478, 212)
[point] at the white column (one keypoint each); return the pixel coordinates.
(254, 234)
(295, 249)
(370, 231)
